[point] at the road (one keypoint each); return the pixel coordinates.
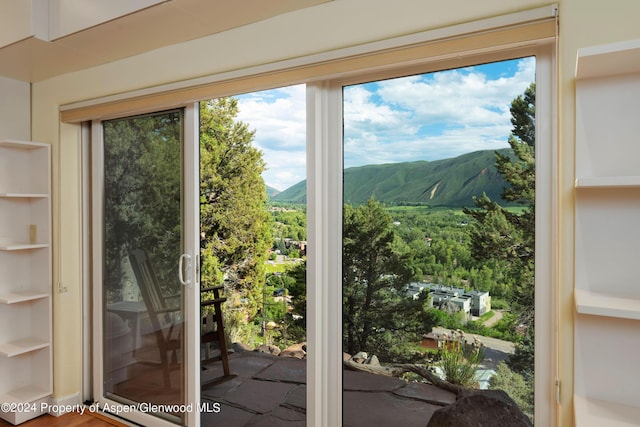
(497, 316)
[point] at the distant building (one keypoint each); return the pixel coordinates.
(480, 302)
(472, 303)
(431, 341)
(414, 289)
(438, 341)
(300, 245)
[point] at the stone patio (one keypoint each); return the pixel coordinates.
(270, 391)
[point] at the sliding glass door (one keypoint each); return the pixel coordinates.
(147, 267)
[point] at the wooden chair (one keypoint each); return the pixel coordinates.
(217, 333)
(163, 312)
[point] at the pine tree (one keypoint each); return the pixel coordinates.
(505, 238)
(142, 196)
(234, 224)
(375, 311)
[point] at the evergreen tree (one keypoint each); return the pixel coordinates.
(515, 385)
(505, 238)
(142, 196)
(234, 224)
(375, 313)
(297, 289)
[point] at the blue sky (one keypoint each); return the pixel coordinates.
(424, 117)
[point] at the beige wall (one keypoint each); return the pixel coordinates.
(328, 26)
(51, 19)
(582, 23)
(69, 16)
(15, 109)
(15, 21)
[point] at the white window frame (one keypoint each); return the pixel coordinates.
(94, 368)
(324, 210)
(324, 177)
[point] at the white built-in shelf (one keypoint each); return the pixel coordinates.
(609, 182)
(25, 277)
(599, 304)
(599, 413)
(22, 296)
(23, 145)
(24, 394)
(608, 60)
(23, 195)
(21, 246)
(23, 346)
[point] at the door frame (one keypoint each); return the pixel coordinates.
(327, 97)
(190, 158)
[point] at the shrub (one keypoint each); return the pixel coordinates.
(460, 362)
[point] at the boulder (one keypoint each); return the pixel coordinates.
(269, 349)
(240, 347)
(298, 351)
(480, 408)
(372, 360)
(360, 357)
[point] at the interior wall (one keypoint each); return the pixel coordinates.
(15, 109)
(15, 21)
(69, 16)
(328, 26)
(51, 19)
(583, 23)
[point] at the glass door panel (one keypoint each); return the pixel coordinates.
(436, 166)
(143, 300)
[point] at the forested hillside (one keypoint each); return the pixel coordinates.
(442, 183)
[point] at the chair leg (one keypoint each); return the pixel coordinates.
(164, 360)
(224, 354)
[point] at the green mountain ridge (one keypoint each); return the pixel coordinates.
(272, 192)
(442, 183)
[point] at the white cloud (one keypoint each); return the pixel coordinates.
(426, 117)
(443, 114)
(279, 118)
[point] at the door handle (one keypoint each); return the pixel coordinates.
(181, 269)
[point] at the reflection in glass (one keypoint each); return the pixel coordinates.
(143, 320)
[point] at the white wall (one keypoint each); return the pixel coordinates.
(69, 16)
(583, 23)
(15, 21)
(15, 109)
(51, 19)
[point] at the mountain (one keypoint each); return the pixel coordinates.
(449, 182)
(272, 192)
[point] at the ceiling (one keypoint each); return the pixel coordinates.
(33, 59)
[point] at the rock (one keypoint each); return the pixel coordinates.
(480, 408)
(372, 360)
(296, 350)
(271, 325)
(269, 349)
(346, 357)
(240, 347)
(298, 354)
(360, 357)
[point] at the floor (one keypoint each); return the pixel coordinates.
(72, 419)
